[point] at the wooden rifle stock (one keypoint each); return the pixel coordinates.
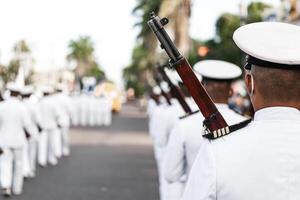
(214, 121)
(176, 92)
(213, 118)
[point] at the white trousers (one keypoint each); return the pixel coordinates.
(99, 117)
(32, 154)
(92, 119)
(11, 165)
(65, 141)
(83, 117)
(26, 162)
(57, 142)
(75, 118)
(168, 191)
(107, 117)
(53, 146)
(43, 148)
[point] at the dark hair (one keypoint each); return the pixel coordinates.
(277, 85)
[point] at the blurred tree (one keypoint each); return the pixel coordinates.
(82, 52)
(139, 74)
(134, 74)
(179, 12)
(194, 56)
(222, 46)
(22, 57)
(21, 47)
(256, 10)
(96, 72)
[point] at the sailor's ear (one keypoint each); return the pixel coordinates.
(248, 81)
(231, 92)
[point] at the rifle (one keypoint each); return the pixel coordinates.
(214, 123)
(176, 92)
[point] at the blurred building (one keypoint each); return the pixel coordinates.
(53, 77)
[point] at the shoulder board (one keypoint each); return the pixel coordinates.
(225, 131)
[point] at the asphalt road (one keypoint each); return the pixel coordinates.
(113, 163)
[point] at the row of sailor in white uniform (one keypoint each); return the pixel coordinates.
(34, 128)
(177, 141)
(91, 110)
(33, 131)
(258, 161)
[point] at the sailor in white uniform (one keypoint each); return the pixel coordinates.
(50, 122)
(84, 109)
(186, 136)
(107, 112)
(35, 120)
(65, 105)
(14, 128)
(161, 123)
(154, 101)
(260, 161)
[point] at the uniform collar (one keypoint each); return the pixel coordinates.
(277, 113)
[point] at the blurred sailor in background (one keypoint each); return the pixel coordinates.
(186, 136)
(51, 116)
(14, 128)
(65, 106)
(35, 120)
(163, 118)
(84, 109)
(154, 100)
(91, 110)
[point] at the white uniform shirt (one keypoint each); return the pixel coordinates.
(50, 114)
(14, 119)
(151, 107)
(162, 121)
(65, 106)
(35, 115)
(185, 141)
(258, 162)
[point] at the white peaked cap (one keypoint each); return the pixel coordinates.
(217, 69)
(164, 86)
(156, 90)
(13, 87)
(26, 90)
(273, 42)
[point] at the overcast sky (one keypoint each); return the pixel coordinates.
(48, 25)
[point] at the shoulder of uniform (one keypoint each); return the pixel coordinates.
(225, 131)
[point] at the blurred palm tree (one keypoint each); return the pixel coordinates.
(139, 74)
(145, 36)
(179, 12)
(22, 58)
(82, 52)
(21, 47)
